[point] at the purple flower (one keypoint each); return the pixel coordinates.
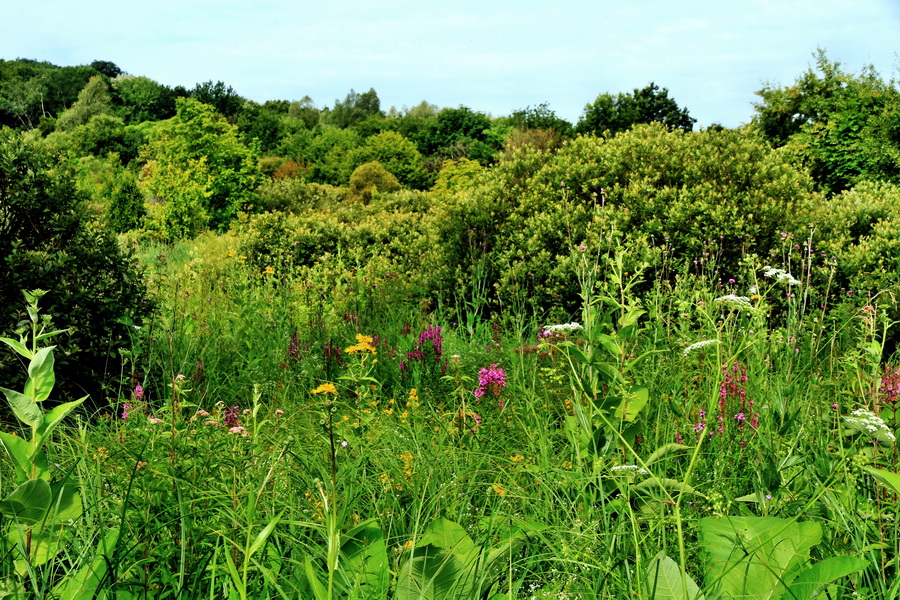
(491, 379)
(138, 392)
(125, 410)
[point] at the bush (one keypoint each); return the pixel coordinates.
(370, 179)
(47, 242)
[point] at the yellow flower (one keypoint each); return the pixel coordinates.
(363, 344)
(269, 271)
(499, 489)
(325, 388)
(517, 458)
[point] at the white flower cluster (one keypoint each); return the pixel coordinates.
(780, 275)
(698, 345)
(872, 423)
(736, 302)
(629, 470)
(564, 328)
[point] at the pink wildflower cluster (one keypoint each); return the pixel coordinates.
(734, 406)
(428, 349)
(889, 391)
(491, 380)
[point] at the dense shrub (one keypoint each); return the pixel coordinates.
(370, 179)
(689, 192)
(297, 196)
(47, 242)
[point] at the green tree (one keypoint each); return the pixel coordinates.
(394, 153)
(47, 241)
(199, 171)
(141, 99)
(540, 117)
(458, 133)
(92, 101)
(617, 113)
(845, 128)
(354, 108)
(222, 97)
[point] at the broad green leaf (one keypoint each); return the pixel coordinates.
(85, 582)
(45, 545)
(664, 451)
(749, 557)
(888, 478)
(809, 583)
(432, 573)
(29, 503)
(666, 581)
(41, 377)
(18, 346)
(18, 451)
(52, 419)
(655, 486)
(364, 561)
(633, 403)
(24, 407)
(66, 504)
(445, 534)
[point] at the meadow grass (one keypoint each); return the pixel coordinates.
(315, 433)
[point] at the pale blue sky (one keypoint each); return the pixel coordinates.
(493, 56)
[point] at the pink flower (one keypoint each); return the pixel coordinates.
(138, 392)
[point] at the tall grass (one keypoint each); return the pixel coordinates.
(230, 478)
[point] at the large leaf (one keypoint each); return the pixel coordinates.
(66, 506)
(444, 533)
(29, 503)
(41, 377)
(364, 562)
(666, 581)
(432, 573)
(633, 403)
(888, 478)
(18, 451)
(808, 584)
(750, 557)
(84, 582)
(52, 419)
(18, 346)
(24, 407)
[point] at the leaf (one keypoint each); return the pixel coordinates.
(633, 403)
(41, 377)
(66, 505)
(445, 534)
(888, 478)
(431, 573)
(749, 557)
(52, 419)
(664, 451)
(24, 407)
(85, 582)
(28, 503)
(654, 485)
(364, 561)
(263, 535)
(18, 346)
(808, 584)
(18, 450)
(664, 580)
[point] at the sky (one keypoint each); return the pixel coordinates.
(494, 56)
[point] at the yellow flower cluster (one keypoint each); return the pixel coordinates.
(269, 271)
(325, 388)
(363, 344)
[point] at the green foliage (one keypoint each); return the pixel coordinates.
(93, 100)
(614, 114)
(396, 154)
(221, 97)
(31, 90)
(458, 133)
(297, 196)
(845, 128)
(369, 179)
(860, 228)
(683, 190)
(199, 172)
(353, 109)
(141, 99)
(47, 241)
(540, 117)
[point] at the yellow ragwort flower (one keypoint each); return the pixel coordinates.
(325, 388)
